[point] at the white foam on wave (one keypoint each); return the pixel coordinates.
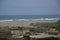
(30, 19)
(21, 20)
(5, 20)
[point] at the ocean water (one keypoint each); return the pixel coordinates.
(28, 17)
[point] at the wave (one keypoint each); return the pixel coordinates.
(29, 19)
(5, 20)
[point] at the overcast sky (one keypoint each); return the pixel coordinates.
(29, 7)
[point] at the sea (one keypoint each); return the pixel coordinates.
(28, 17)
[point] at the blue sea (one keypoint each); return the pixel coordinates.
(28, 17)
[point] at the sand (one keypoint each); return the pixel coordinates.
(24, 23)
(42, 35)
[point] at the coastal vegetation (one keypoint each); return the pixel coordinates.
(52, 28)
(46, 27)
(48, 38)
(46, 24)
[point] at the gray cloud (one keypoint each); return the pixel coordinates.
(29, 7)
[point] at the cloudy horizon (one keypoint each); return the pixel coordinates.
(29, 7)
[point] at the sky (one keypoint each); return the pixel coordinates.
(29, 7)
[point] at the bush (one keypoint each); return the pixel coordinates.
(4, 39)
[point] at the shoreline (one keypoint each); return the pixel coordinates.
(24, 23)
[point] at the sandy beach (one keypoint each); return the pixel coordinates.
(24, 23)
